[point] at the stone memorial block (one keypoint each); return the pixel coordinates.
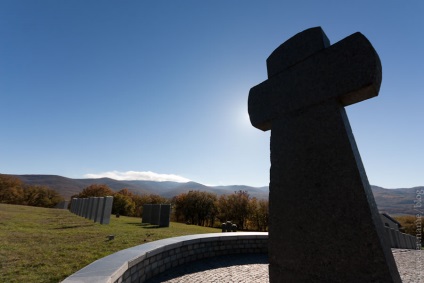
(62, 205)
(395, 237)
(90, 208)
(79, 211)
(83, 207)
(412, 240)
(73, 205)
(387, 236)
(229, 226)
(93, 208)
(391, 232)
(155, 214)
(87, 206)
(324, 224)
(402, 240)
(234, 228)
(99, 212)
(147, 212)
(107, 210)
(77, 206)
(165, 215)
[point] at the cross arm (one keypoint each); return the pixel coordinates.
(349, 71)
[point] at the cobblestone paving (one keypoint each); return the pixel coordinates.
(253, 268)
(410, 264)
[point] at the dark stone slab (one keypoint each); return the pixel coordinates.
(147, 212)
(90, 208)
(94, 209)
(324, 223)
(85, 208)
(155, 214)
(165, 215)
(99, 212)
(73, 205)
(107, 210)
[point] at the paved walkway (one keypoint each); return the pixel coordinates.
(253, 268)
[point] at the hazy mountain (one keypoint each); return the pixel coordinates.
(68, 187)
(396, 201)
(391, 201)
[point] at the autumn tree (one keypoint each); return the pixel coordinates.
(412, 224)
(259, 218)
(196, 207)
(41, 196)
(123, 203)
(95, 190)
(235, 208)
(11, 190)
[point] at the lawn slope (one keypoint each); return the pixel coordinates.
(47, 245)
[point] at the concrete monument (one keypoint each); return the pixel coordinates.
(165, 215)
(147, 212)
(155, 214)
(107, 210)
(324, 223)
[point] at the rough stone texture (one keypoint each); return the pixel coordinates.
(107, 209)
(165, 215)
(147, 212)
(324, 223)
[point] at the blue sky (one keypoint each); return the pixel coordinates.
(158, 89)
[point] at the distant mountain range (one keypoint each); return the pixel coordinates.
(391, 201)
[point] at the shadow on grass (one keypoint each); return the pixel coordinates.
(146, 225)
(72, 226)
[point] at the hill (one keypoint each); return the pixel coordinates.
(68, 187)
(391, 201)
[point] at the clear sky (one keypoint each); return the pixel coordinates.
(128, 88)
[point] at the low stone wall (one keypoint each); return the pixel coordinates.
(400, 240)
(142, 262)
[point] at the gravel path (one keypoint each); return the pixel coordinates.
(253, 268)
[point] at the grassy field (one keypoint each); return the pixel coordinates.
(47, 245)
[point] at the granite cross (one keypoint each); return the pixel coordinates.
(324, 223)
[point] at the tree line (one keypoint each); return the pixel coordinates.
(207, 209)
(193, 207)
(125, 202)
(14, 191)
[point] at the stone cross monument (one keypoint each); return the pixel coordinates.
(324, 223)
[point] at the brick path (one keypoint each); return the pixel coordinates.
(253, 268)
(230, 268)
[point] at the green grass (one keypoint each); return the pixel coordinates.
(47, 245)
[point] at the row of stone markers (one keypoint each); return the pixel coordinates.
(400, 240)
(156, 214)
(97, 209)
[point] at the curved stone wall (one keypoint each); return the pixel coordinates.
(140, 263)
